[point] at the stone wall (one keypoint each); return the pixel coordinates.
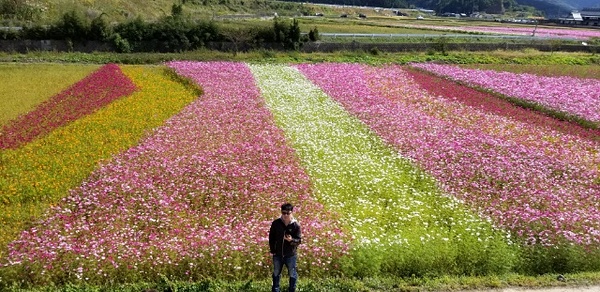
(24, 46)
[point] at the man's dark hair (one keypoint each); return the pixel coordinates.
(287, 207)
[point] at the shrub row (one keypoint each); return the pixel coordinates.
(173, 33)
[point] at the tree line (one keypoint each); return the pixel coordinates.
(172, 33)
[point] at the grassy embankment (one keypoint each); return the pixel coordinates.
(524, 57)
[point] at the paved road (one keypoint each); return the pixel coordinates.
(553, 289)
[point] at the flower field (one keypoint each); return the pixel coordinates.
(84, 97)
(574, 96)
(393, 171)
(25, 93)
(543, 32)
(583, 71)
(42, 172)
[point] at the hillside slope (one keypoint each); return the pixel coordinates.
(553, 8)
(119, 10)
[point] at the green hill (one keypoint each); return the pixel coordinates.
(47, 11)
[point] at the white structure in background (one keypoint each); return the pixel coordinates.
(587, 16)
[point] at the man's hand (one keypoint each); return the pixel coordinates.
(288, 237)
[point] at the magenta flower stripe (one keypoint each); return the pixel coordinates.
(576, 96)
(537, 197)
(198, 194)
(84, 97)
(540, 32)
(472, 109)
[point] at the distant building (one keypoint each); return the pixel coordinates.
(587, 16)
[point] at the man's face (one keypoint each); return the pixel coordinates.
(286, 216)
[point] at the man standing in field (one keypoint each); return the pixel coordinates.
(284, 238)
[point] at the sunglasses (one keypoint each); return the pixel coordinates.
(286, 212)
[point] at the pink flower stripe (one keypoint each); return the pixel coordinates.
(539, 31)
(199, 193)
(538, 197)
(84, 97)
(582, 34)
(576, 96)
(473, 109)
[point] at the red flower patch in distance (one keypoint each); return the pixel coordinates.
(82, 98)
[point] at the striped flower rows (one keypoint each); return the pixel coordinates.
(575, 96)
(393, 209)
(390, 174)
(43, 171)
(560, 140)
(195, 198)
(541, 198)
(84, 97)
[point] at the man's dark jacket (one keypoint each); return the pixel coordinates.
(277, 244)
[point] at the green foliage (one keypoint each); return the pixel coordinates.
(441, 45)
(567, 258)
(35, 32)
(133, 32)
(177, 10)
(287, 34)
(313, 34)
(121, 45)
(342, 284)
(19, 10)
(9, 34)
(99, 29)
(170, 34)
(72, 26)
(432, 259)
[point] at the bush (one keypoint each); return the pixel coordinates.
(99, 29)
(35, 32)
(19, 10)
(9, 34)
(121, 44)
(71, 26)
(170, 34)
(133, 32)
(287, 34)
(313, 35)
(567, 258)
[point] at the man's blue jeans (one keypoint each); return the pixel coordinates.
(290, 263)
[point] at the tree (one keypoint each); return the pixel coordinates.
(239, 36)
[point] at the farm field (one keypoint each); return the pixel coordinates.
(584, 71)
(25, 92)
(395, 170)
(577, 97)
